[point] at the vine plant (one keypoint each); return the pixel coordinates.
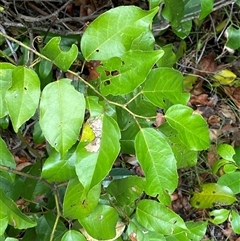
(86, 125)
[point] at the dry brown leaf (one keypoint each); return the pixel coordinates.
(92, 68)
(207, 65)
(160, 119)
(234, 94)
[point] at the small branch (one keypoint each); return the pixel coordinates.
(23, 174)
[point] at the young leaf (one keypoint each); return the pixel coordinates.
(126, 190)
(5, 83)
(73, 235)
(226, 152)
(103, 219)
(94, 160)
(191, 127)
(157, 161)
(173, 11)
(232, 180)
(15, 217)
(116, 36)
(57, 169)
(6, 159)
(207, 6)
(62, 110)
(235, 220)
(23, 96)
(77, 202)
(127, 72)
(158, 218)
(197, 230)
(220, 216)
(211, 195)
(165, 84)
(4, 222)
(60, 58)
(45, 226)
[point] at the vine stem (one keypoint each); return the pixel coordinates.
(80, 78)
(23, 174)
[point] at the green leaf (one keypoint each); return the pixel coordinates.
(235, 221)
(169, 57)
(15, 217)
(61, 59)
(126, 190)
(23, 96)
(45, 225)
(220, 216)
(165, 84)
(95, 160)
(226, 152)
(57, 169)
(135, 230)
(5, 83)
(4, 222)
(93, 106)
(116, 36)
(236, 157)
(11, 239)
(206, 8)
(212, 194)
(127, 72)
(232, 180)
(191, 127)
(73, 235)
(45, 67)
(183, 30)
(6, 159)
(184, 156)
(77, 203)
(157, 161)
(103, 219)
(62, 110)
(233, 36)
(173, 11)
(197, 230)
(158, 218)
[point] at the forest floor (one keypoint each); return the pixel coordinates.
(204, 53)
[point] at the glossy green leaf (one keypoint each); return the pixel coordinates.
(236, 157)
(57, 169)
(230, 168)
(126, 190)
(169, 57)
(95, 160)
(173, 11)
(157, 161)
(212, 194)
(126, 73)
(23, 96)
(11, 239)
(3, 222)
(15, 217)
(73, 235)
(116, 36)
(235, 221)
(226, 152)
(60, 58)
(184, 156)
(220, 216)
(45, 226)
(103, 219)
(232, 180)
(38, 136)
(135, 230)
(45, 67)
(6, 159)
(165, 84)
(62, 110)
(77, 203)
(206, 8)
(197, 230)
(92, 104)
(233, 36)
(5, 83)
(157, 217)
(191, 127)
(183, 30)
